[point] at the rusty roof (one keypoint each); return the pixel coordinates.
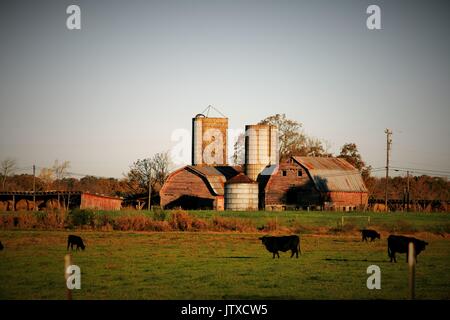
(240, 178)
(216, 176)
(332, 174)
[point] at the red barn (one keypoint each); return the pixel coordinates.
(302, 182)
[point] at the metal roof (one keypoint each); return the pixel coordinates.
(216, 176)
(332, 174)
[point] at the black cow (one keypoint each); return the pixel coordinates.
(284, 243)
(367, 233)
(75, 240)
(400, 244)
(1, 246)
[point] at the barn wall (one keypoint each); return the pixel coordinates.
(348, 199)
(90, 201)
(290, 189)
(184, 188)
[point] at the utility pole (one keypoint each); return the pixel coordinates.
(388, 149)
(407, 191)
(34, 187)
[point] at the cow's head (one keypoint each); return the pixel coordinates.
(377, 236)
(82, 246)
(263, 239)
(420, 245)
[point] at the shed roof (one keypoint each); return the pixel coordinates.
(332, 174)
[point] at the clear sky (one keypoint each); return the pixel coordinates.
(115, 91)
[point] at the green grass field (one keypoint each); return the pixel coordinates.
(194, 265)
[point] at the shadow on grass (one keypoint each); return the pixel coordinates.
(353, 260)
(237, 257)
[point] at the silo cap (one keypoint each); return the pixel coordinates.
(240, 178)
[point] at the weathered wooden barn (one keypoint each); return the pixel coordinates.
(314, 182)
(49, 200)
(197, 187)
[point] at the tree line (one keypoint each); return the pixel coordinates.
(149, 174)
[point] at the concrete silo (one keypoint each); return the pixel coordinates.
(209, 140)
(241, 194)
(261, 148)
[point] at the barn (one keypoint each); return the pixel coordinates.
(197, 187)
(314, 182)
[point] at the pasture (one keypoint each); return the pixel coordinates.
(207, 265)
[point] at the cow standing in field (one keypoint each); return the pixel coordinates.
(283, 243)
(75, 240)
(371, 234)
(400, 244)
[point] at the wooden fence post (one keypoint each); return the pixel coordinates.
(67, 263)
(412, 270)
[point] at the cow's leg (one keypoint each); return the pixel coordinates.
(278, 254)
(68, 244)
(296, 254)
(71, 246)
(273, 257)
(292, 253)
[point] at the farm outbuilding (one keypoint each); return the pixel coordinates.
(49, 200)
(262, 182)
(311, 182)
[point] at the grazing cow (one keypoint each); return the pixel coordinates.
(400, 244)
(75, 240)
(367, 233)
(1, 246)
(284, 243)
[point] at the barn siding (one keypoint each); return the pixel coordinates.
(290, 189)
(186, 183)
(92, 201)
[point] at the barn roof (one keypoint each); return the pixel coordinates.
(216, 176)
(332, 174)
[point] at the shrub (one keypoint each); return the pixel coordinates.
(81, 217)
(199, 224)
(135, 222)
(232, 224)
(159, 215)
(180, 220)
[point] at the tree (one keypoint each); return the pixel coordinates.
(239, 150)
(60, 169)
(47, 177)
(291, 139)
(149, 172)
(349, 152)
(7, 166)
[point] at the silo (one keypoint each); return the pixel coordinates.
(209, 140)
(261, 148)
(241, 194)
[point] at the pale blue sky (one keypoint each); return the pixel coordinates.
(114, 91)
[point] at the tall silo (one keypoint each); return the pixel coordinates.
(209, 140)
(261, 148)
